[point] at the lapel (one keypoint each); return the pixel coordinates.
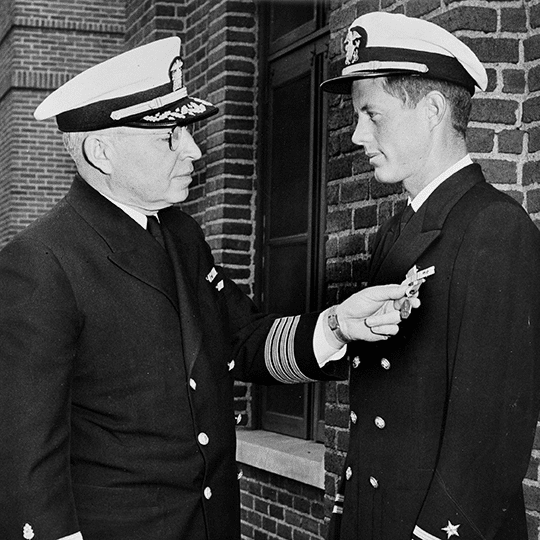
(131, 248)
(423, 228)
(184, 253)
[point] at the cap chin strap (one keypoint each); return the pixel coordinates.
(378, 66)
(151, 105)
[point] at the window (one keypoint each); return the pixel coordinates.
(292, 191)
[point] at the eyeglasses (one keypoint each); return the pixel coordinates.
(175, 135)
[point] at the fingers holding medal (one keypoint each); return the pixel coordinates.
(413, 279)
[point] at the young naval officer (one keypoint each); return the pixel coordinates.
(443, 415)
(119, 345)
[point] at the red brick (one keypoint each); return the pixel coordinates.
(531, 46)
(535, 16)
(354, 191)
(533, 200)
(533, 523)
(338, 272)
(513, 81)
(532, 472)
(494, 50)
(417, 8)
(511, 141)
(533, 78)
(361, 164)
(531, 110)
(351, 244)
(498, 171)
(532, 495)
(468, 18)
(514, 19)
(338, 220)
(534, 139)
(480, 139)
(531, 175)
(365, 216)
(497, 111)
(339, 167)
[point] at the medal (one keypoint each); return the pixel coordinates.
(414, 278)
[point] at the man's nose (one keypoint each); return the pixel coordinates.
(360, 134)
(188, 148)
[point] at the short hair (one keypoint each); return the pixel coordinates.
(411, 89)
(73, 141)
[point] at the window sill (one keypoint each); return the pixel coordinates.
(292, 458)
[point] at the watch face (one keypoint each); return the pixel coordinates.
(333, 322)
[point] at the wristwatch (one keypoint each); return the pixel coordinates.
(333, 324)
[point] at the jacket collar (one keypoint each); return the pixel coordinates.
(175, 274)
(131, 247)
(423, 228)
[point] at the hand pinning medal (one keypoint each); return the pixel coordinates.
(414, 279)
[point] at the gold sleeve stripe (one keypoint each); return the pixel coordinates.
(424, 535)
(279, 352)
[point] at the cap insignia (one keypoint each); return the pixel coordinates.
(175, 73)
(188, 110)
(356, 39)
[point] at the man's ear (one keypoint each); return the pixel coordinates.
(437, 108)
(97, 151)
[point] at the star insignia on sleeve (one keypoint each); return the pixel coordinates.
(451, 530)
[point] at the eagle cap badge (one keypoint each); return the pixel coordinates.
(175, 73)
(356, 39)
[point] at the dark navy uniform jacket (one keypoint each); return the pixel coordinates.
(117, 367)
(443, 415)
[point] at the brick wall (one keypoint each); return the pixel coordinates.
(504, 137)
(275, 507)
(42, 45)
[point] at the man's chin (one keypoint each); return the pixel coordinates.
(181, 196)
(387, 178)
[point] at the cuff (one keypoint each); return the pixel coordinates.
(324, 350)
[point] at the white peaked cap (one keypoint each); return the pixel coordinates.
(143, 87)
(380, 44)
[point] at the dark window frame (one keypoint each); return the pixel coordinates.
(306, 46)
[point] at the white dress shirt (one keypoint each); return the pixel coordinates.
(422, 197)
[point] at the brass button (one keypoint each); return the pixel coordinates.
(203, 438)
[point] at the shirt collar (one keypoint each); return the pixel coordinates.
(424, 194)
(137, 216)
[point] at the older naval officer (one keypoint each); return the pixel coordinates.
(443, 415)
(120, 338)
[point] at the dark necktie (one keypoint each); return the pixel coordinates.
(393, 234)
(153, 226)
(407, 214)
